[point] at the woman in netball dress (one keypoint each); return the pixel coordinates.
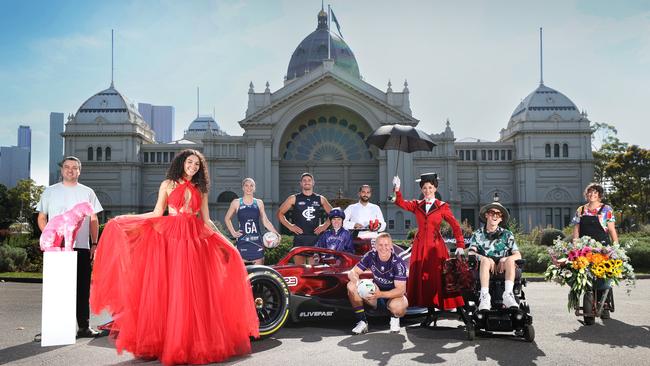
(163, 278)
(250, 211)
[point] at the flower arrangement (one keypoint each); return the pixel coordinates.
(584, 263)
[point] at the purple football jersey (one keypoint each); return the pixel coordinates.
(385, 273)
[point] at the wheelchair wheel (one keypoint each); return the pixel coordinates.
(588, 308)
(529, 333)
(471, 332)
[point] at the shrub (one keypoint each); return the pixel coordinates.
(411, 234)
(536, 256)
(21, 253)
(639, 253)
(549, 235)
(12, 259)
(272, 256)
(446, 232)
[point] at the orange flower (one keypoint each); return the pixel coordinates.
(598, 258)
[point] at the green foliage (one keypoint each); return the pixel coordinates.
(639, 252)
(536, 256)
(446, 232)
(19, 203)
(12, 259)
(272, 256)
(411, 234)
(629, 173)
(22, 253)
(548, 235)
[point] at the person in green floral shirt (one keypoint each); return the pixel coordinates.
(497, 251)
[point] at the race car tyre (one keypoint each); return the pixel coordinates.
(529, 333)
(271, 297)
(588, 308)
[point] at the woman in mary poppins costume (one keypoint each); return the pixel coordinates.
(429, 252)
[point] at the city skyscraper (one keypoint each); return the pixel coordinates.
(56, 146)
(161, 119)
(25, 137)
(14, 165)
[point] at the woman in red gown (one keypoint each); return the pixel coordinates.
(429, 252)
(177, 289)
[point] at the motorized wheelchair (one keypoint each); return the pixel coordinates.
(498, 318)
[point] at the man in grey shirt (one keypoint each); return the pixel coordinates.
(57, 199)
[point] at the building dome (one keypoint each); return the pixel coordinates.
(111, 106)
(311, 52)
(203, 124)
(545, 104)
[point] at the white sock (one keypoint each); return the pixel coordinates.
(509, 286)
(485, 291)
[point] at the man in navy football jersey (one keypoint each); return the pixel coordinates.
(389, 275)
(308, 209)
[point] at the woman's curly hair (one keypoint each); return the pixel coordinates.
(201, 179)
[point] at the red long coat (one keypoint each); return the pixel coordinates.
(424, 285)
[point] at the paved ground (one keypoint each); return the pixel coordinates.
(560, 338)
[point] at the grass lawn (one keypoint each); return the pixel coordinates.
(22, 274)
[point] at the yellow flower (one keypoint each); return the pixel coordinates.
(598, 271)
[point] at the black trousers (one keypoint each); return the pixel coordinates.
(83, 287)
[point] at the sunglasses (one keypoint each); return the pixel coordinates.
(495, 213)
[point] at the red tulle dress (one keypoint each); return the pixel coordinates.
(177, 291)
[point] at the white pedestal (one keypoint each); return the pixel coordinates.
(59, 319)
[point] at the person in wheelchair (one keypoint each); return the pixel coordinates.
(496, 251)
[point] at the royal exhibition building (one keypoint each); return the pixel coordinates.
(318, 122)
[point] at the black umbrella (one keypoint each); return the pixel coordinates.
(401, 138)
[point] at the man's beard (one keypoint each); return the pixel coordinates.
(364, 199)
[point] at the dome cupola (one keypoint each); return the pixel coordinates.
(313, 50)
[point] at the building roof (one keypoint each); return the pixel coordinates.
(111, 105)
(202, 125)
(545, 104)
(311, 52)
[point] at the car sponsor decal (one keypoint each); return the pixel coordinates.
(311, 314)
(291, 281)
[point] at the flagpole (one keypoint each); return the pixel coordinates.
(329, 35)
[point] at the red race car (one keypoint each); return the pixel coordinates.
(309, 291)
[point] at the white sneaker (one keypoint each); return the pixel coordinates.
(360, 328)
(394, 324)
(484, 302)
(509, 300)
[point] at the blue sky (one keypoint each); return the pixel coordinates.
(469, 61)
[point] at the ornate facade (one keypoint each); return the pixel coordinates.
(318, 122)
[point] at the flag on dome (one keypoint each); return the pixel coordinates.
(338, 26)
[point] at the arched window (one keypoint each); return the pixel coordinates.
(226, 196)
(107, 153)
(90, 153)
(548, 150)
(556, 150)
(99, 154)
(565, 150)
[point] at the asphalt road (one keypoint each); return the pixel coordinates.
(561, 339)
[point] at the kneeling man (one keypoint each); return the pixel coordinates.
(389, 275)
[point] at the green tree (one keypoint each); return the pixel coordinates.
(23, 199)
(5, 217)
(605, 145)
(629, 173)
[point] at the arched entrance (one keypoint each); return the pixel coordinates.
(329, 142)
